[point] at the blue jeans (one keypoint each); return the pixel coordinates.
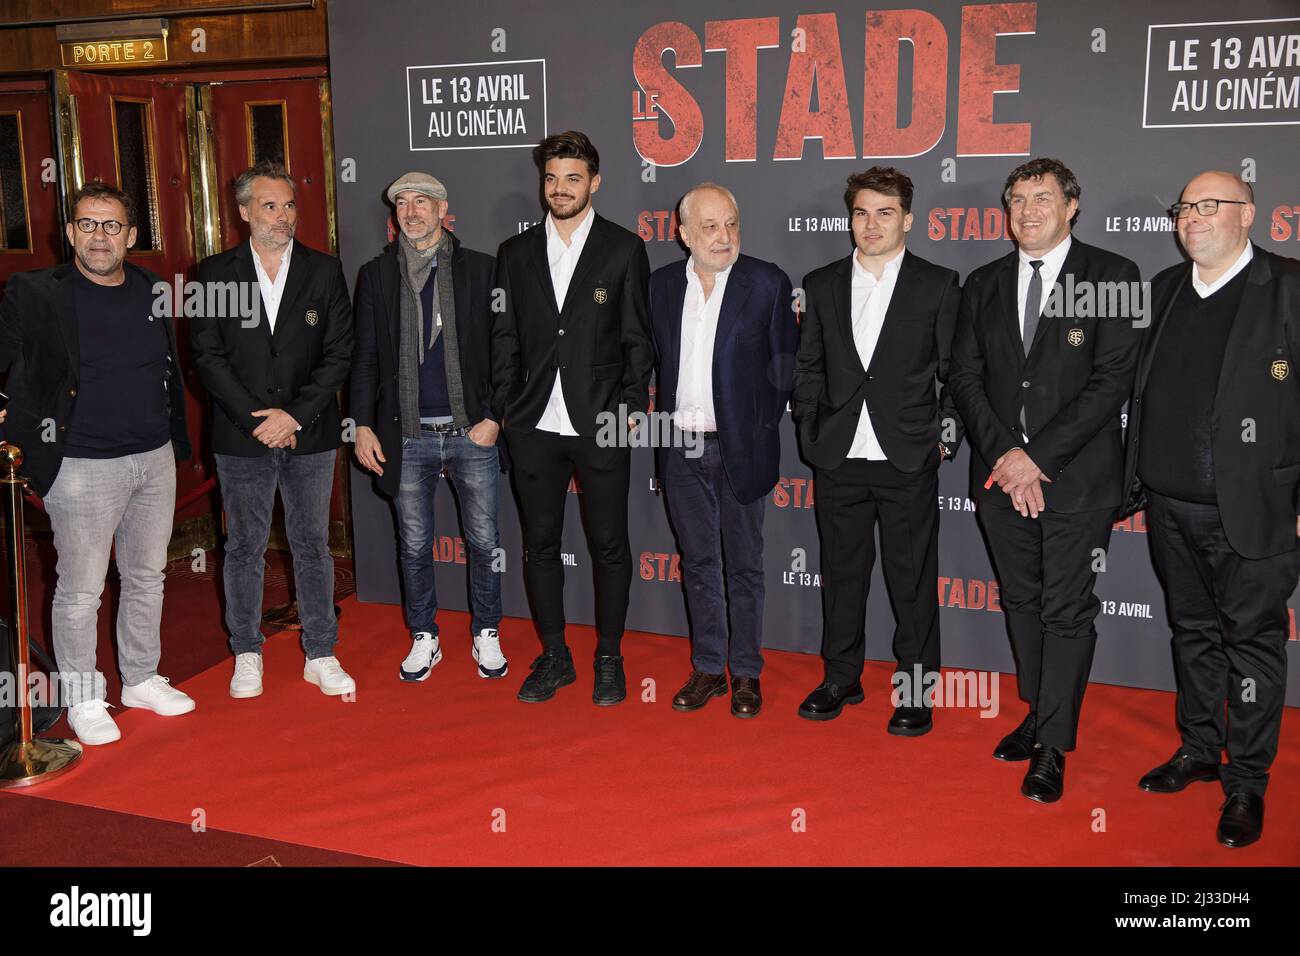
(473, 470)
(248, 494)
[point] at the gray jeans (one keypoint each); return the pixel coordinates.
(94, 505)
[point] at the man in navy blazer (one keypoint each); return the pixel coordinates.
(725, 337)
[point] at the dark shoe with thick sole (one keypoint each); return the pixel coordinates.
(611, 684)
(826, 702)
(1045, 780)
(1177, 773)
(1241, 820)
(911, 721)
(1019, 744)
(699, 689)
(746, 697)
(552, 670)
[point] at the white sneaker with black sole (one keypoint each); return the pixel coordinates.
(424, 656)
(487, 652)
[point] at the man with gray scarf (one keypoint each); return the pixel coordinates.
(421, 386)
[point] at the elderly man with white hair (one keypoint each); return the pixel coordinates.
(725, 336)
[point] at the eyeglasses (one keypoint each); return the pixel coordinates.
(1206, 207)
(111, 226)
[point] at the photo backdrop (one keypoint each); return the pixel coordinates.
(780, 101)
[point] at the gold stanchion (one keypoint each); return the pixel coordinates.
(26, 761)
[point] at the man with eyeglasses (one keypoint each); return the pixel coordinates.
(1214, 448)
(96, 402)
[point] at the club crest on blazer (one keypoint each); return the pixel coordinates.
(312, 316)
(600, 295)
(1074, 337)
(1280, 369)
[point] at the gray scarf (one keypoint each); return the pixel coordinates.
(415, 266)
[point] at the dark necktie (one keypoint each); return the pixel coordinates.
(1033, 304)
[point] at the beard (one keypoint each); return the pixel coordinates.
(574, 211)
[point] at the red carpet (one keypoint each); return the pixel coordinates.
(417, 773)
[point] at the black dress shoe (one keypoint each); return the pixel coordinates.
(551, 671)
(1045, 780)
(1019, 744)
(911, 721)
(746, 697)
(826, 702)
(699, 690)
(1175, 775)
(611, 684)
(1242, 819)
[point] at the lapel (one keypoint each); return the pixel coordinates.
(1254, 302)
(842, 305)
(738, 288)
(246, 272)
(460, 290)
(675, 310)
(1158, 326)
(542, 264)
(66, 311)
(591, 253)
(896, 303)
(1074, 265)
(390, 287)
(1010, 309)
(290, 314)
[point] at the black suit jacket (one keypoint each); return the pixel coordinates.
(753, 355)
(373, 398)
(1072, 385)
(1257, 483)
(300, 368)
(598, 342)
(39, 345)
(899, 388)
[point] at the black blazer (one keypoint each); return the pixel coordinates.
(899, 388)
(1257, 483)
(753, 356)
(373, 398)
(39, 346)
(598, 342)
(300, 368)
(1073, 383)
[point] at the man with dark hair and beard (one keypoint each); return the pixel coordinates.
(571, 347)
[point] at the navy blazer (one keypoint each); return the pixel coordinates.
(753, 363)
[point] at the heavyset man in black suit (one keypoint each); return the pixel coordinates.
(274, 379)
(1214, 442)
(1040, 390)
(571, 343)
(873, 351)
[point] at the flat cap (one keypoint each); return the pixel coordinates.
(417, 182)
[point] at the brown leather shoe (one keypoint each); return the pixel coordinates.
(746, 697)
(699, 689)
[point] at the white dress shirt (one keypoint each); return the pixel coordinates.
(272, 289)
(1205, 290)
(1048, 272)
(563, 260)
(869, 303)
(695, 411)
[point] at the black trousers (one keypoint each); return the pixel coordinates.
(721, 541)
(543, 462)
(851, 498)
(1229, 618)
(1045, 568)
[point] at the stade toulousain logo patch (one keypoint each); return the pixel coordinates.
(312, 316)
(600, 295)
(1075, 337)
(1280, 370)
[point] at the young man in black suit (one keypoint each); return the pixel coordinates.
(572, 342)
(1214, 444)
(873, 353)
(1040, 384)
(274, 379)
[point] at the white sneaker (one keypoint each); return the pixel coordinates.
(157, 694)
(487, 651)
(247, 681)
(425, 654)
(328, 674)
(91, 723)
